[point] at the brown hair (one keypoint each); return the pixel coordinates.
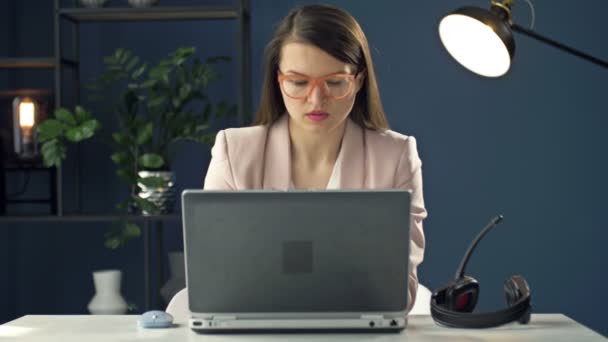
(336, 32)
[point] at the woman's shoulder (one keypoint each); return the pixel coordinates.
(389, 141)
(245, 135)
(242, 141)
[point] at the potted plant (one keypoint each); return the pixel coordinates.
(155, 109)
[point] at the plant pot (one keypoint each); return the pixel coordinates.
(107, 299)
(142, 3)
(93, 3)
(177, 276)
(163, 197)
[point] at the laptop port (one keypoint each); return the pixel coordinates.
(393, 323)
(372, 324)
(197, 323)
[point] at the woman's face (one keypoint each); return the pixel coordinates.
(319, 110)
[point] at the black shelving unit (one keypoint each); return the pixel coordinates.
(74, 15)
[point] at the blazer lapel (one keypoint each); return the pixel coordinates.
(277, 170)
(349, 171)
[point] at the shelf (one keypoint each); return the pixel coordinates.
(34, 63)
(88, 218)
(148, 14)
(27, 63)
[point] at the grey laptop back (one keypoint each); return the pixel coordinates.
(296, 255)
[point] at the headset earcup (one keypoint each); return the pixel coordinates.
(462, 295)
(512, 295)
(517, 288)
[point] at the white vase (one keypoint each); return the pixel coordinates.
(107, 299)
(177, 276)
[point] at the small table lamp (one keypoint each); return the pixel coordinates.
(25, 119)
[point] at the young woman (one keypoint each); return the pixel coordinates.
(320, 124)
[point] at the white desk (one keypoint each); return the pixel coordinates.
(544, 327)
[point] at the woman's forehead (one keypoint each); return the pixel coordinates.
(310, 60)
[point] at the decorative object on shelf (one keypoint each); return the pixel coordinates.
(177, 276)
(107, 299)
(155, 109)
(143, 3)
(29, 107)
(93, 3)
(21, 111)
(25, 119)
(162, 195)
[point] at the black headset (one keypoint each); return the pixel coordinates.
(452, 305)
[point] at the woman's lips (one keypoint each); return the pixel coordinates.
(317, 116)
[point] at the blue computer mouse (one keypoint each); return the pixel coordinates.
(156, 319)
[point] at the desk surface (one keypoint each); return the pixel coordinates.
(543, 327)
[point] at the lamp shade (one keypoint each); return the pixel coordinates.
(479, 39)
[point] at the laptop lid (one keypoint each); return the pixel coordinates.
(296, 252)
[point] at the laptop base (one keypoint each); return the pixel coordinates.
(298, 325)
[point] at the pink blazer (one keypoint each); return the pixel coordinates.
(258, 157)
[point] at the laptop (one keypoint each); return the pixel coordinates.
(296, 260)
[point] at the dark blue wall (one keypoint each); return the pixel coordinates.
(527, 145)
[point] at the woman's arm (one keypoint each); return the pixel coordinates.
(409, 176)
(219, 174)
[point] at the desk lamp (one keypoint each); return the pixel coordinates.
(482, 40)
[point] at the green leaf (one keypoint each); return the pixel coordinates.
(139, 71)
(89, 128)
(125, 56)
(145, 134)
(132, 63)
(148, 84)
(156, 101)
(121, 139)
(118, 53)
(82, 132)
(145, 205)
(201, 128)
(208, 138)
(74, 134)
(127, 175)
(123, 205)
(184, 52)
(53, 153)
(131, 230)
(82, 114)
(151, 161)
(65, 116)
(160, 74)
(176, 102)
(113, 242)
(215, 59)
(153, 182)
(121, 157)
(50, 129)
(185, 91)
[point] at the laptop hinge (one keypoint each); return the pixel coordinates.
(224, 318)
(366, 317)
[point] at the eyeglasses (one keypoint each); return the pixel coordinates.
(334, 86)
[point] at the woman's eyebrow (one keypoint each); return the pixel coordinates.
(302, 74)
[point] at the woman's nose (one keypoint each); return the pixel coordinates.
(317, 95)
